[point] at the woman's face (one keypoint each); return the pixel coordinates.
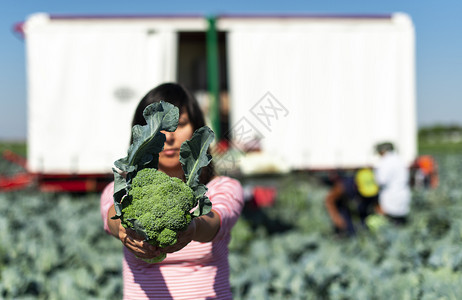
(169, 158)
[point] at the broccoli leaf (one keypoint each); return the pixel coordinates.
(138, 227)
(204, 206)
(193, 157)
(148, 141)
(120, 183)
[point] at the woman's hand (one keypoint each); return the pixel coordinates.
(183, 238)
(136, 244)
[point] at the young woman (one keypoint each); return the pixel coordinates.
(197, 266)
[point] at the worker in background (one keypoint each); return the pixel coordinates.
(424, 172)
(350, 195)
(392, 176)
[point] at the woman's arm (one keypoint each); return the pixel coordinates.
(113, 224)
(207, 227)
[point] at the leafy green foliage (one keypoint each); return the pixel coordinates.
(193, 157)
(53, 247)
(291, 252)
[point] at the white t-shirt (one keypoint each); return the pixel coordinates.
(392, 176)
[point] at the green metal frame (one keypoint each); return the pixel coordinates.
(213, 76)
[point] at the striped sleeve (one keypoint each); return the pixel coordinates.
(106, 201)
(226, 195)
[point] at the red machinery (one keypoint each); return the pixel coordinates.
(49, 182)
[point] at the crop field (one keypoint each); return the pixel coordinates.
(52, 246)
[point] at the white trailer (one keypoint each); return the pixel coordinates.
(316, 91)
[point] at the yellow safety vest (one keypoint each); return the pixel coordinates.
(365, 182)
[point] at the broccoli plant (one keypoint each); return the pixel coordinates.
(150, 202)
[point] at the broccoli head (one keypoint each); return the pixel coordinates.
(160, 205)
(155, 205)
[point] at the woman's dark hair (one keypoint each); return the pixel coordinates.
(175, 94)
(179, 96)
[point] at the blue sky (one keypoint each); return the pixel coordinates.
(438, 26)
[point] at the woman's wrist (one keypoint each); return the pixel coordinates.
(206, 227)
(194, 226)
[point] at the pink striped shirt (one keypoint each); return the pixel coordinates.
(199, 270)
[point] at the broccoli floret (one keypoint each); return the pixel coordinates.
(167, 237)
(148, 176)
(176, 218)
(161, 205)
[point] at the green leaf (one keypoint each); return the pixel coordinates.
(138, 227)
(193, 157)
(148, 140)
(119, 192)
(204, 206)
